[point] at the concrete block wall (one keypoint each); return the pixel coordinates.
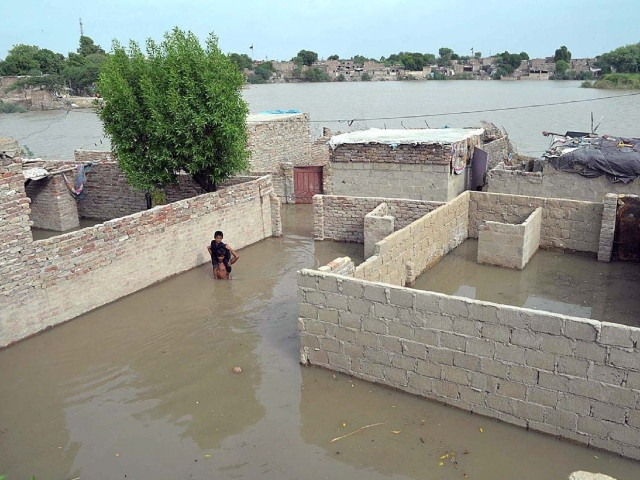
(575, 378)
(555, 184)
(46, 282)
(339, 266)
(408, 252)
(569, 225)
(52, 206)
(377, 225)
(610, 208)
(341, 218)
(509, 245)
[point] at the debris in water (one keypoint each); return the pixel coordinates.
(481, 429)
(237, 369)
(395, 431)
(356, 431)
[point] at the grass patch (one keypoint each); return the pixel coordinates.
(11, 108)
(616, 81)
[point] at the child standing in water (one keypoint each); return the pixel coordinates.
(222, 257)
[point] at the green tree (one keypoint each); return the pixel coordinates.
(242, 60)
(87, 47)
(446, 55)
(366, 77)
(21, 60)
(333, 57)
(177, 108)
(262, 73)
(561, 66)
(562, 53)
(307, 57)
(623, 59)
(315, 74)
(359, 59)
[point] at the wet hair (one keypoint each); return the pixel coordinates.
(221, 252)
(218, 234)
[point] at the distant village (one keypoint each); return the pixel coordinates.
(472, 68)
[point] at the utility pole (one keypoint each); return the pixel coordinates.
(81, 29)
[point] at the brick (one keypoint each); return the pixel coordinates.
(574, 403)
(440, 356)
(360, 306)
(428, 369)
(500, 333)
(339, 361)
(352, 289)
(522, 374)
(622, 396)
(528, 411)
(455, 375)
(336, 300)
(308, 311)
(452, 341)
(547, 324)
(587, 388)
(561, 419)
(625, 358)
(328, 284)
(554, 381)
(526, 338)
(615, 335)
(607, 374)
(328, 315)
(488, 314)
(513, 317)
(466, 327)
(401, 331)
(510, 353)
(572, 366)
(395, 376)
(405, 363)
(511, 389)
(351, 320)
(581, 330)
(403, 298)
(329, 344)
(375, 293)
(315, 298)
(466, 361)
(370, 369)
(377, 356)
(414, 349)
(427, 302)
(494, 368)
(604, 411)
(445, 389)
(471, 396)
(590, 351)
(420, 383)
(481, 347)
(557, 344)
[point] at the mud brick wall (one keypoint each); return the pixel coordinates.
(566, 224)
(509, 245)
(418, 245)
(47, 282)
(575, 378)
(555, 184)
(341, 218)
(52, 206)
(274, 139)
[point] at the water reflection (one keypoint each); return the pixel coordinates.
(575, 285)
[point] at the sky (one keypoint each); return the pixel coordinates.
(278, 29)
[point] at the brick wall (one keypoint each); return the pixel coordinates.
(274, 139)
(575, 378)
(509, 245)
(409, 251)
(566, 224)
(555, 184)
(605, 248)
(377, 226)
(341, 218)
(52, 205)
(47, 282)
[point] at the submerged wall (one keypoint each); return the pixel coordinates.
(47, 282)
(566, 376)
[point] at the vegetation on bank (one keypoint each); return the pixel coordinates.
(616, 81)
(11, 108)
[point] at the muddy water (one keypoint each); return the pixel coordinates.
(573, 285)
(144, 389)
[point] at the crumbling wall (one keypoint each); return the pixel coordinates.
(378, 224)
(47, 282)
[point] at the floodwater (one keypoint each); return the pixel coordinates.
(42, 233)
(574, 285)
(524, 109)
(144, 389)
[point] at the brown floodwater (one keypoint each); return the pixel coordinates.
(42, 233)
(575, 285)
(144, 388)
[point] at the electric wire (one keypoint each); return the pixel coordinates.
(467, 112)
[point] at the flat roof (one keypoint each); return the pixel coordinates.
(270, 117)
(406, 136)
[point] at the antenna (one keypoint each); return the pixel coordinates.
(81, 28)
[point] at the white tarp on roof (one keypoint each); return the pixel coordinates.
(406, 136)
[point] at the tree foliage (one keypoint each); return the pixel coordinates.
(507, 62)
(307, 57)
(242, 60)
(176, 108)
(562, 53)
(623, 59)
(561, 66)
(262, 73)
(315, 74)
(333, 57)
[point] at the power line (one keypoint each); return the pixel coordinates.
(466, 112)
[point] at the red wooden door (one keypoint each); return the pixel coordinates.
(307, 182)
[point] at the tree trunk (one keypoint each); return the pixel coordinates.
(202, 179)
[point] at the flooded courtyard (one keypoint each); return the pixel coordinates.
(575, 285)
(144, 388)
